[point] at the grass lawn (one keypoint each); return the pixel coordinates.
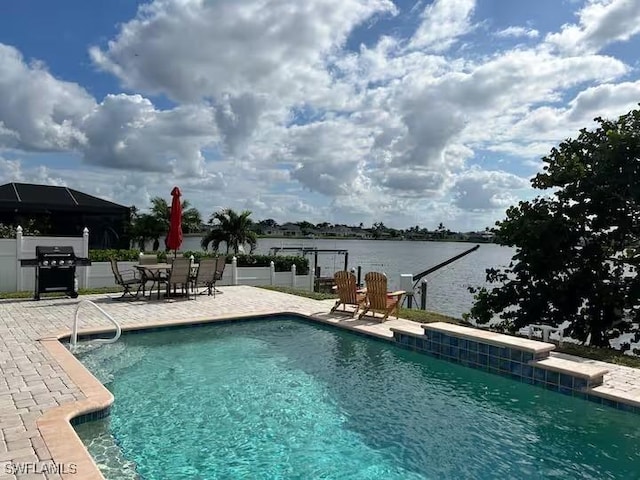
(421, 316)
(300, 293)
(603, 354)
(82, 291)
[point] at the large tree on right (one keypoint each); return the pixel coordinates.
(577, 248)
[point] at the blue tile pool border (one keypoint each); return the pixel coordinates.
(508, 362)
(91, 416)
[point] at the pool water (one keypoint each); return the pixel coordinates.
(283, 398)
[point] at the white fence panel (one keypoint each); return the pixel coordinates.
(254, 275)
(226, 276)
(303, 282)
(283, 279)
(100, 274)
(257, 276)
(8, 265)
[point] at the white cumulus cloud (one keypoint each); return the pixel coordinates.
(600, 23)
(278, 106)
(516, 32)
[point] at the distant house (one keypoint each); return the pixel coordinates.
(360, 233)
(342, 231)
(483, 236)
(64, 211)
(290, 230)
(488, 236)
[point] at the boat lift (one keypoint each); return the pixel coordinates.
(304, 251)
(420, 276)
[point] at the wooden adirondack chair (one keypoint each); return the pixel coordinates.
(345, 284)
(379, 300)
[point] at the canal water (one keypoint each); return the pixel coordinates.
(447, 289)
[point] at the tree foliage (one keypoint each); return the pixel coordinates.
(154, 225)
(191, 218)
(146, 227)
(231, 228)
(577, 248)
(30, 228)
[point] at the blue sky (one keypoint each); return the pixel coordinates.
(347, 111)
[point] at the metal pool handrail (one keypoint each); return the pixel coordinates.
(74, 335)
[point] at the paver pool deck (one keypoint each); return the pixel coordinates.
(32, 381)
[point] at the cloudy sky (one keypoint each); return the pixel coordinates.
(407, 112)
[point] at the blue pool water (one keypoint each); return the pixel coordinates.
(281, 398)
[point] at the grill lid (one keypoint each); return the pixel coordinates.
(63, 251)
(55, 256)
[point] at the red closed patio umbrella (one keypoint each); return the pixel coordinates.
(174, 238)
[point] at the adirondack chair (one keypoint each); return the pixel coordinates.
(345, 284)
(379, 300)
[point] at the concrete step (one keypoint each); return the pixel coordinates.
(593, 374)
(539, 349)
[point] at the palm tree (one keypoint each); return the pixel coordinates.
(230, 228)
(153, 225)
(147, 227)
(191, 218)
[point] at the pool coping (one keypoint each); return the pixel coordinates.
(586, 371)
(56, 426)
(490, 337)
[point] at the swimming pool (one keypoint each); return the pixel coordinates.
(283, 398)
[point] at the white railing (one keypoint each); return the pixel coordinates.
(74, 334)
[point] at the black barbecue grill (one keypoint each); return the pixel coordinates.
(55, 270)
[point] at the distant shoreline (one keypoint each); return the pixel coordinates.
(397, 239)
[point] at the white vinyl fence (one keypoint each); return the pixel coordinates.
(14, 278)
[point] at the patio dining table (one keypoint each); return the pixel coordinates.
(153, 272)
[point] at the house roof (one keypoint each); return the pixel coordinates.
(31, 197)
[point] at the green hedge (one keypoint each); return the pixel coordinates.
(120, 255)
(282, 263)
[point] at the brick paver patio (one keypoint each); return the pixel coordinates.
(32, 382)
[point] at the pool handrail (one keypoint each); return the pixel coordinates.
(74, 333)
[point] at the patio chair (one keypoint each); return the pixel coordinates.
(127, 281)
(147, 259)
(180, 274)
(348, 294)
(206, 275)
(221, 263)
(154, 276)
(378, 299)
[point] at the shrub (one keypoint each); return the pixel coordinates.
(197, 255)
(281, 263)
(120, 255)
(9, 231)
